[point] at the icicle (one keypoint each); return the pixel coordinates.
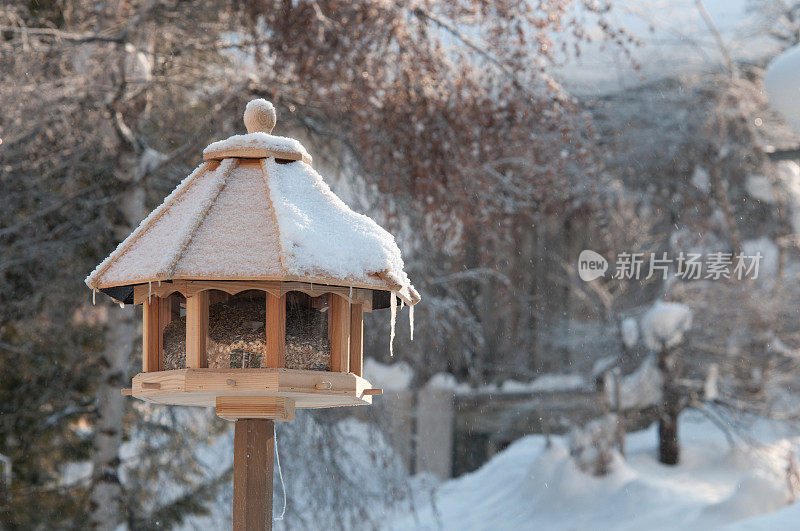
(280, 472)
(159, 283)
(411, 321)
(149, 290)
(94, 299)
(393, 308)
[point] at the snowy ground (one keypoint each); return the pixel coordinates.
(529, 486)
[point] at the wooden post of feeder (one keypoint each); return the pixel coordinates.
(275, 351)
(339, 333)
(157, 314)
(150, 343)
(253, 456)
(197, 330)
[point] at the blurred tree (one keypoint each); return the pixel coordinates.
(780, 19)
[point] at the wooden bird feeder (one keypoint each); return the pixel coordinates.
(254, 277)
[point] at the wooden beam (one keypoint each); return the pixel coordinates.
(190, 287)
(253, 458)
(152, 335)
(339, 333)
(275, 352)
(356, 339)
(197, 330)
(237, 407)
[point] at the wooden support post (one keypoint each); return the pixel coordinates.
(197, 330)
(339, 333)
(356, 339)
(253, 457)
(276, 331)
(255, 407)
(155, 317)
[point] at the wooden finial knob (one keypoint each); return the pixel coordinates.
(259, 116)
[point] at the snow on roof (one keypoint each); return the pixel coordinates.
(258, 141)
(319, 233)
(244, 219)
(259, 118)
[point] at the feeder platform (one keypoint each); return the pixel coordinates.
(253, 393)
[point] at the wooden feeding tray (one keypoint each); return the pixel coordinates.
(272, 390)
(253, 393)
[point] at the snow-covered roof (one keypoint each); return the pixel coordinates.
(257, 216)
(259, 144)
